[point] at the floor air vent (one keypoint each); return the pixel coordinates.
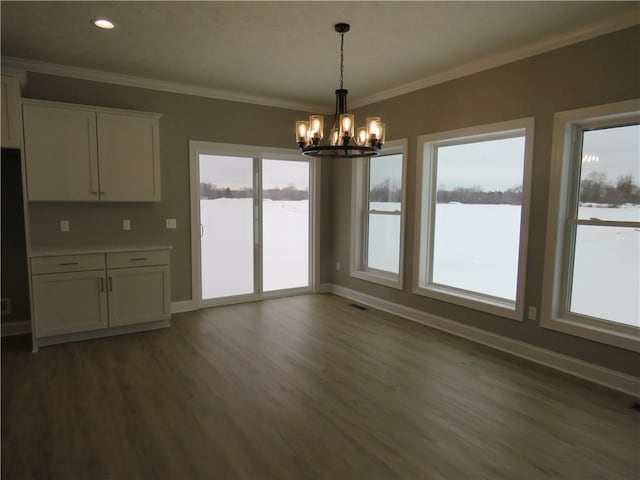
(359, 307)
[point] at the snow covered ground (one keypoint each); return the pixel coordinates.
(476, 248)
(227, 246)
(607, 267)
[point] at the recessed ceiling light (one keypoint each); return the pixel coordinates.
(103, 23)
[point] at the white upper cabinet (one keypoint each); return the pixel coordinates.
(76, 153)
(128, 144)
(61, 154)
(10, 105)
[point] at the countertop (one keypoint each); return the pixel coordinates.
(50, 251)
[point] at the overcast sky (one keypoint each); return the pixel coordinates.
(386, 167)
(237, 172)
(492, 165)
(618, 152)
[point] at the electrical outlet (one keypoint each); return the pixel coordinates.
(171, 223)
(64, 225)
(338, 266)
(126, 224)
(533, 313)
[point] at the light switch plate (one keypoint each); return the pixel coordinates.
(171, 223)
(126, 224)
(64, 225)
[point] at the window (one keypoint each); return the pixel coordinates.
(378, 216)
(592, 265)
(473, 216)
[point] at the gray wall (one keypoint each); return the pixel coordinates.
(598, 71)
(184, 118)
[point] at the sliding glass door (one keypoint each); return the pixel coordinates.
(226, 226)
(285, 224)
(253, 221)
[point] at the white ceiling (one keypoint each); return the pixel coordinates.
(288, 53)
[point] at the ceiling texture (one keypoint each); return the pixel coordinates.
(287, 53)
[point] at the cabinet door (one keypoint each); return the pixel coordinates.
(10, 105)
(128, 150)
(69, 302)
(138, 295)
(61, 154)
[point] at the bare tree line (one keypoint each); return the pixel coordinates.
(290, 192)
(596, 189)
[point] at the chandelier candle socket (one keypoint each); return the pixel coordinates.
(343, 142)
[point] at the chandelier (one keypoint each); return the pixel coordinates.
(342, 141)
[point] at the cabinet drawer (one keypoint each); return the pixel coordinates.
(138, 259)
(67, 263)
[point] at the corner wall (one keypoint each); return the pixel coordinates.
(594, 72)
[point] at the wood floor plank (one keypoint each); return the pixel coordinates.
(304, 387)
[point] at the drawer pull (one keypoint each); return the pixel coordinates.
(65, 264)
(138, 259)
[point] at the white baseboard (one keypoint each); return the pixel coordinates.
(564, 363)
(16, 328)
(183, 306)
(324, 288)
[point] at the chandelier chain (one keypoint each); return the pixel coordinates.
(341, 58)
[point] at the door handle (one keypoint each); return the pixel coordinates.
(201, 230)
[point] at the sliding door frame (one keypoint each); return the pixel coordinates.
(257, 153)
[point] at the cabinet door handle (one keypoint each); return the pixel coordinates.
(64, 264)
(137, 259)
(201, 230)
(101, 284)
(110, 284)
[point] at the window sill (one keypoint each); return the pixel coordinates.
(483, 303)
(621, 336)
(380, 277)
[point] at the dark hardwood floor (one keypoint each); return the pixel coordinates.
(303, 387)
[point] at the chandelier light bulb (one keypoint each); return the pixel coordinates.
(302, 128)
(362, 136)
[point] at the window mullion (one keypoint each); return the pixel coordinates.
(606, 223)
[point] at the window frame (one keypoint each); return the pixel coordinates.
(425, 216)
(359, 219)
(562, 222)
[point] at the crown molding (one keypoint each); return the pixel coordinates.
(608, 25)
(36, 66)
(16, 72)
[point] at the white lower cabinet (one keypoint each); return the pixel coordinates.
(90, 295)
(138, 295)
(69, 302)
